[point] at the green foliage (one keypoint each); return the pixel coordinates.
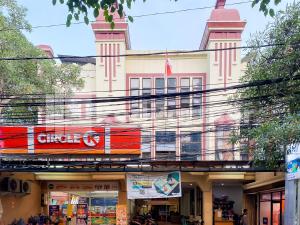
(27, 76)
(272, 115)
(263, 6)
(108, 7)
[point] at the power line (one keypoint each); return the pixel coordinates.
(171, 53)
(5, 95)
(256, 83)
(134, 16)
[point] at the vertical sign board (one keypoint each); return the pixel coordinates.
(121, 214)
(163, 185)
(293, 162)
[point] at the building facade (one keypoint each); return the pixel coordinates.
(194, 127)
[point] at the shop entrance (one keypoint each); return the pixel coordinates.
(81, 203)
(186, 209)
(95, 208)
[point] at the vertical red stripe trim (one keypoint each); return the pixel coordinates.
(83, 110)
(114, 59)
(216, 53)
(220, 59)
(230, 46)
(234, 52)
(127, 94)
(225, 65)
(118, 52)
(110, 71)
(101, 52)
(204, 119)
(178, 150)
(105, 66)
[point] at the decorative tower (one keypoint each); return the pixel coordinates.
(223, 31)
(110, 72)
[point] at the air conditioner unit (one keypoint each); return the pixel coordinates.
(25, 186)
(9, 184)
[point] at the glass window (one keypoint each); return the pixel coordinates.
(146, 155)
(160, 102)
(146, 141)
(265, 197)
(91, 110)
(190, 145)
(224, 148)
(197, 98)
(75, 109)
(276, 196)
(265, 213)
(185, 100)
(171, 100)
(165, 141)
(276, 212)
(134, 91)
(146, 102)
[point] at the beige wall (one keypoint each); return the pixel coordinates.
(265, 176)
(17, 206)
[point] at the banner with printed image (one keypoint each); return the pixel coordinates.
(293, 162)
(162, 185)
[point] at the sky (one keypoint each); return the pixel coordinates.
(177, 31)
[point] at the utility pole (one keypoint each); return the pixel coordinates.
(292, 186)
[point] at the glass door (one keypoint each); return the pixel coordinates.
(276, 213)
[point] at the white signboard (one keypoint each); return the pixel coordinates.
(162, 185)
(293, 162)
(83, 186)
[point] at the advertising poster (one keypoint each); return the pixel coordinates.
(82, 211)
(121, 214)
(53, 210)
(162, 185)
(54, 213)
(293, 162)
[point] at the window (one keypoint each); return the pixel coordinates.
(146, 141)
(165, 145)
(165, 141)
(185, 100)
(197, 98)
(134, 91)
(160, 102)
(146, 102)
(271, 208)
(75, 108)
(224, 148)
(91, 110)
(190, 145)
(171, 100)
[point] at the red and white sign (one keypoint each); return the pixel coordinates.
(69, 140)
(69, 137)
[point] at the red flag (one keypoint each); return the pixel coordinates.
(168, 67)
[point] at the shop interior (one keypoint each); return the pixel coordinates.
(227, 203)
(95, 208)
(184, 210)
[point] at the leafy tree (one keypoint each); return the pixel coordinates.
(272, 115)
(34, 78)
(77, 7)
